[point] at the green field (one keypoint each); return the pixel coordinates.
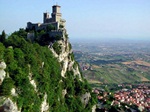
(114, 65)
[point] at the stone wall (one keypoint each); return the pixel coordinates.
(55, 33)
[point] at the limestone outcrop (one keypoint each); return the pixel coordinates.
(65, 56)
(9, 106)
(2, 72)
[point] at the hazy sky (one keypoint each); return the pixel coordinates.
(85, 18)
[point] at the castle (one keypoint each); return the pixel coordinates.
(55, 20)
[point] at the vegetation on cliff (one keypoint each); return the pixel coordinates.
(28, 61)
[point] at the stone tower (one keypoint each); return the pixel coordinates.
(45, 17)
(56, 15)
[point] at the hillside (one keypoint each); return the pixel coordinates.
(36, 77)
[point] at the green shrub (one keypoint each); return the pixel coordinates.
(57, 48)
(6, 87)
(2, 49)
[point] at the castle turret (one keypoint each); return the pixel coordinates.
(45, 17)
(56, 15)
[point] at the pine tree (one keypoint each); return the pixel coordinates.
(3, 36)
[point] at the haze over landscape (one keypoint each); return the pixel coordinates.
(75, 56)
(85, 19)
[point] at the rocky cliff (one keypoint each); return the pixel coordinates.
(41, 78)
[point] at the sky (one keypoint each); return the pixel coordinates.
(84, 18)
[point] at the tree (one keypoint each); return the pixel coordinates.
(2, 50)
(3, 36)
(7, 85)
(49, 28)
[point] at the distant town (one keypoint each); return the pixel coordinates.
(139, 95)
(129, 95)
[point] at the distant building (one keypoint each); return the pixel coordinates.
(55, 20)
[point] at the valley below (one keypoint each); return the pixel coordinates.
(109, 62)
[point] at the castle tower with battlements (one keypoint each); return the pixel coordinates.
(45, 17)
(55, 20)
(56, 15)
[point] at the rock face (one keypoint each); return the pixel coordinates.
(65, 56)
(69, 64)
(9, 106)
(45, 105)
(85, 98)
(13, 92)
(2, 72)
